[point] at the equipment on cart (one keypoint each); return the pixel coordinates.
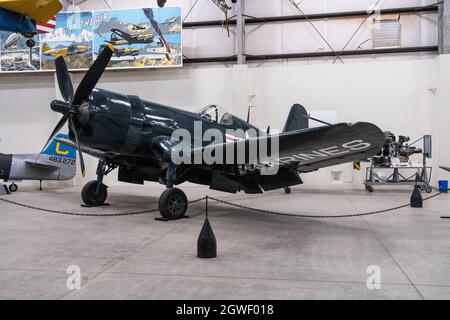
(396, 155)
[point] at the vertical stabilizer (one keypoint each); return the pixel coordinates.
(297, 119)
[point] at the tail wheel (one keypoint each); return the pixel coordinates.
(173, 204)
(13, 187)
(94, 193)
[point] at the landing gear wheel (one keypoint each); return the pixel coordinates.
(90, 195)
(369, 189)
(173, 204)
(30, 43)
(287, 190)
(13, 187)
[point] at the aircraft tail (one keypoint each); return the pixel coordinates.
(58, 150)
(297, 119)
(61, 156)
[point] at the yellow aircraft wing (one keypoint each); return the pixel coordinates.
(38, 10)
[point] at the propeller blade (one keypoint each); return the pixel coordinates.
(58, 127)
(94, 74)
(151, 17)
(64, 81)
(80, 152)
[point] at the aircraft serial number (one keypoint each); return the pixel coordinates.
(62, 160)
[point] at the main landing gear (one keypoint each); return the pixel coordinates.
(95, 192)
(172, 204)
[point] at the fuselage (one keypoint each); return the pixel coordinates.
(15, 22)
(56, 162)
(17, 167)
(122, 38)
(123, 124)
(70, 50)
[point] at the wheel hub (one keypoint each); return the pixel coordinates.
(175, 204)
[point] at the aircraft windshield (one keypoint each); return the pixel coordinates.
(216, 114)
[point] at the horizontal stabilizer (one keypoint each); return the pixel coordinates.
(40, 164)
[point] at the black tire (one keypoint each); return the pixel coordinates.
(13, 188)
(161, 3)
(369, 189)
(428, 189)
(30, 43)
(287, 190)
(91, 197)
(173, 204)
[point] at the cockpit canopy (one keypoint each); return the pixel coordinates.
(216, 114)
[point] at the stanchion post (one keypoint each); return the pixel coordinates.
(207, 243)
(416, 197)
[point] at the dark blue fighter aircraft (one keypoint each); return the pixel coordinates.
(134, 136)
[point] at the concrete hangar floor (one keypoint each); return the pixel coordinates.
(260, 256)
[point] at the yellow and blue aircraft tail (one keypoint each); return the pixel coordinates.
(59, 150)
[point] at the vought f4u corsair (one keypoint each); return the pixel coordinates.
(141, 138)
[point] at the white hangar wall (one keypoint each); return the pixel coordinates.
(407, 97)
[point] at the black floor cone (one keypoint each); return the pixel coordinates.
(416, 197)
(207, 243)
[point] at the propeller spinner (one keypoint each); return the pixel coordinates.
(70, 107)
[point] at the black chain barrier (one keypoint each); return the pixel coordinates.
(67, 213)
(297, 215)
(302, 215)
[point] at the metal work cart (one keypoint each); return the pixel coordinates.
(403, 176)
(399, 177)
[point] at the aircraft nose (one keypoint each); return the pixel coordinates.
(60, 106)
(5, 166)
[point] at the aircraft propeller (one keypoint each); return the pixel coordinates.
(70, 108)
(150, 15)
